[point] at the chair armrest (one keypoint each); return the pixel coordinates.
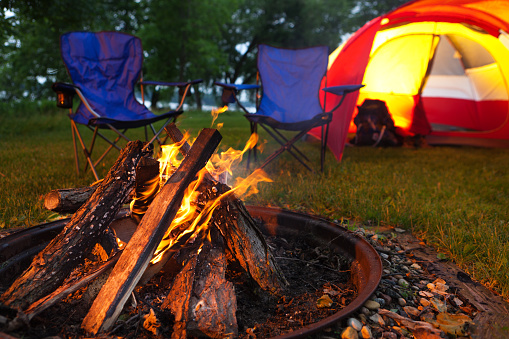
(229, 95)
(237, 87)
(65, 93)
(343, 89)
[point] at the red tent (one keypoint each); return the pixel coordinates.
(441, 66)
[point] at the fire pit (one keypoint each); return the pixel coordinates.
(17, 250)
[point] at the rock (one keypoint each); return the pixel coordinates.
(366, 332)
(386, 298)
(401, 302)
(403, 283)
(377, 319)
(416, 266)
(372, 305)
(381, 301)
(354, 323)
(399, 230)
(365, 311)
(349, 333)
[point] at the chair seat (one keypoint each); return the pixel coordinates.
(103, 122)
(316, 121)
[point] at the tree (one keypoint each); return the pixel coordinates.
(30, 35)
(180, 39)
(283, 23)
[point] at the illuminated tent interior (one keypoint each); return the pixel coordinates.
(441, 67)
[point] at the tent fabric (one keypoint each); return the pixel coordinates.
(442, 66)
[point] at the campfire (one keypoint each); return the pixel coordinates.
(186, 222)
(185, 214)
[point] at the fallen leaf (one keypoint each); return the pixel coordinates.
(456, 324)
(151, 323)
(425, 333)
(439, 305)
(324, 301)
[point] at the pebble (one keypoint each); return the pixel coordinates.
(354, 323)
(381, 301)
(366, 332)
(377, 319)
(372, 305)
(416, 266)
(404, 290)
(349, 333)
(387, 299)
(403, 283)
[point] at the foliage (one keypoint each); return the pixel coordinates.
(30, 49)
(180, 39)
(209, 39)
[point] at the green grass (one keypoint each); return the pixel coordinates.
(455, 198)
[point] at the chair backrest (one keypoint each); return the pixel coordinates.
(105, 66)
(291, 80)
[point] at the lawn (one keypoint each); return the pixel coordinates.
(454, 198)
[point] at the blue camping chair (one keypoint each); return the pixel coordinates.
(104, 68)
(290, 84)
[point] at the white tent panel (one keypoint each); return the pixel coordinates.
(449, 86)
(488, 83)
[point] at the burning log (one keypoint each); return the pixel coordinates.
(87, 227)
(202, 300)
(138, 252)
(245, 242)
(69, 200)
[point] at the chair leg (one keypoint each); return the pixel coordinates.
(291, 146)
(75, 146)
(288, 146)
(85, 151)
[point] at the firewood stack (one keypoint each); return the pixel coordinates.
(200, 297)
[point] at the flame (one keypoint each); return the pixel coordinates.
(219, 164)
(248, 186)
(215, 113)
(169, 160)
(192, 222)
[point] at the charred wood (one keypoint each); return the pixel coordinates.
(150, 231)
(84, 230)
